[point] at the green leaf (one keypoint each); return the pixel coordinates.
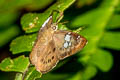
(32, 74)
(32, 22)
(61, 5)
(114, 22)
(110, 40)
(81, 3)
(89, 72)
(118, 8)
(18, 76)
(38, 4)
(13, 5)
(12, 31)
(85, 74)
(19, 64)
(29, 4)
(8, 18)
(23, 43)
(54, 76)
(102, 59)
(75, 77)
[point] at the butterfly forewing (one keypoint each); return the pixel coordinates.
(68, 43)
(42, 54)
(41, 40)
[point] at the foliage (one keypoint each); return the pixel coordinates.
(19, 64)
(99, 24)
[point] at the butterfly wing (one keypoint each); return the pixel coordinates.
(41, 40)
(68, 43)
(43, 54)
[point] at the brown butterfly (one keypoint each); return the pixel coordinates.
(53, 45)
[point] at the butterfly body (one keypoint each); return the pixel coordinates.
(53, 45)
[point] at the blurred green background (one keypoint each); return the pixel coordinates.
(99, 60)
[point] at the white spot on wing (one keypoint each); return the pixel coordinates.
(67, 37)
(46, 21)
(65, 45)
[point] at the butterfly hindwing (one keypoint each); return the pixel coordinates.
(68, 43)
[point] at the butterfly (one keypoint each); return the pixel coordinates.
(53, 45)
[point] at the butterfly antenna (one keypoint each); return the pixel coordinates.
(64, 22)
(79, 29)
(60, 17)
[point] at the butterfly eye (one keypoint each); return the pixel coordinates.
(54, 27)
